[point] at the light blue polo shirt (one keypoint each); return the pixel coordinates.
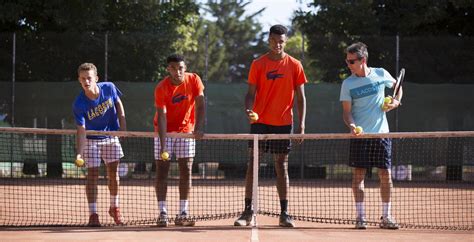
(366, 95)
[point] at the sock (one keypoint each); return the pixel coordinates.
(92, 208)
(386, 209)
(360, 208)
(183, 206)
(114, 201)
(248, 204)
(162, 206)
(284, 206)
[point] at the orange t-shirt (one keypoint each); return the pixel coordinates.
(178, 102)
(276, 82)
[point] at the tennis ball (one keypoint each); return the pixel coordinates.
(165, 155)
(79, 162)
(386, 101)
(253, 116)
(358, 130)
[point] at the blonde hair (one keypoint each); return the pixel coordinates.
(87, 67)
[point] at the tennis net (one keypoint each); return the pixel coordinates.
(432, 172)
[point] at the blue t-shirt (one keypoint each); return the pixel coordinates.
(99, 114)
(366, 95)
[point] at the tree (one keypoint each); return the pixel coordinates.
(296, 48)
(206, 35)
(236, 40)
(140, 34)
(335, 24)
(139, 46)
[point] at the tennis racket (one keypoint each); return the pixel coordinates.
(396, 89)
(399, 83)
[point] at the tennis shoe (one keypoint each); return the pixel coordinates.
(361, 223)
(388, 223)
(114, 212)
(94, 220)
(162, 220)
(286, 221)
(245, 218)
(183, 220)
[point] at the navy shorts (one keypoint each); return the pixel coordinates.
(366, 153)
(281, 146)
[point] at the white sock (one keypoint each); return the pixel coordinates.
(162, 206)
(183, 206)
(360, 208)
(92, 208)
(386, 209)
(114, 201)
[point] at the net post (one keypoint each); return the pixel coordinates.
(255, 180)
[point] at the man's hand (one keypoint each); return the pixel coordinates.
(392, 105)
(299, 130)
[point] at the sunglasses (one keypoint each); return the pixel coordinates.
(353, 61)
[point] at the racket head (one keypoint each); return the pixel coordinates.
(398, 85)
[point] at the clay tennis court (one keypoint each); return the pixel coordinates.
(223, 231)
(63, 204)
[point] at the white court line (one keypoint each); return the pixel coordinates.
(254, 236)
(254, 233)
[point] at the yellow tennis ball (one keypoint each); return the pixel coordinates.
(165, 155)
(79, 162)
(386, 101)
(358, 130)
(253, 116)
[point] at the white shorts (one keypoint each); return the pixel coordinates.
(180, 147)
(108, 149)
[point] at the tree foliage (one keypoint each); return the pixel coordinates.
(297, 46)
(233, 40)
(335, 24)
(138, 35)
(207, 59)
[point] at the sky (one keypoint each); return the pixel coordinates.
(277, 11)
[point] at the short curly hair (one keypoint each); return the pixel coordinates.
(278, 29)
(174, 58)
(87, 67)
